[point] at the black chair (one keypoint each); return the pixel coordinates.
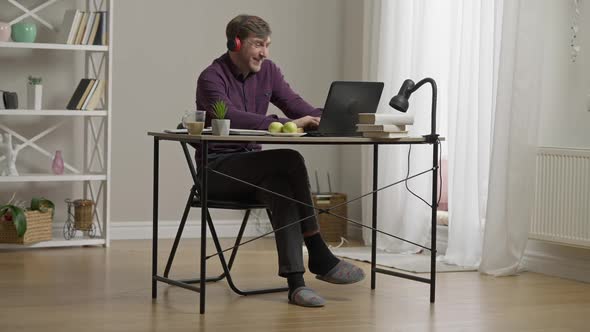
(195, 202)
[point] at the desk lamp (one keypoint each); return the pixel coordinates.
(400, 102)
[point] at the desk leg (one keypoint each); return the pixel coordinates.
(433, 220)
(374, 217)
(155, 217)
(204, 195)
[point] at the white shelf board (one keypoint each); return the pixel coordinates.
(55, 243)
(47, 46)
(53, 178)
(53, 112)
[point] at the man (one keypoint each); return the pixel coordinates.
(247, 82)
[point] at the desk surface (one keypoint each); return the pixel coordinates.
(289, 140)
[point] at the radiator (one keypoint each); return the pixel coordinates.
(562, 198)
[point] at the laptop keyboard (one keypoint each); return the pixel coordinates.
(314, 134)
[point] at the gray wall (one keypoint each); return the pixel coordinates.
(160, 47)
(160, 52)
(564, 121)
(565, 115)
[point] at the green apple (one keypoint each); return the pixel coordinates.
(275, 127)
(290, 127)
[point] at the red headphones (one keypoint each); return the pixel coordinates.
(234, 45)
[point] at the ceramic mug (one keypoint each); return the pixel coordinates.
(24, 32)
(4, 32)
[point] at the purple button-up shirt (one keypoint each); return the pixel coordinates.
(248, 99)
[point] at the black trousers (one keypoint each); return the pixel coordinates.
(282, 171)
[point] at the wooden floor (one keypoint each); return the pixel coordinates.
(98, 289)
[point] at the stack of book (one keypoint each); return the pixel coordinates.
(84, 28)
(87, 95)
(384, 125)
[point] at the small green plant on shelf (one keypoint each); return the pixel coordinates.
(220, 109)
(14, 211)
(35, 80)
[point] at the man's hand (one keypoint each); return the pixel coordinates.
(308, 122)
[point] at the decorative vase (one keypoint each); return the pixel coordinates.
(24, 32)
(34, 96)
(220, 127)
(5, 31)
(58, 163)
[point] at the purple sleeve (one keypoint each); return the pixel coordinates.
(287, 100)
(211, 88)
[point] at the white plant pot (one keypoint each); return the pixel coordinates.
(220, 127)
(34, 96)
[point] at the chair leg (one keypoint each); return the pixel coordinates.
(225, 266)
(234, 251)
(177, 241)
(187, 208)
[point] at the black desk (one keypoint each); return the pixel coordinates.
(204, 140)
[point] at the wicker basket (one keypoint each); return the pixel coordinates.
(38, 229)
(83, 214)
(332, 228)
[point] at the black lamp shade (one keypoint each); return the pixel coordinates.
(400, 101)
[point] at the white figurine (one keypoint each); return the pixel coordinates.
(8, 165)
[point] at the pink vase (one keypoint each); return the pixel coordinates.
(58, 163)
(5, 31)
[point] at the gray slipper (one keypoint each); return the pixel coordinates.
(306, 297)
(343, 273)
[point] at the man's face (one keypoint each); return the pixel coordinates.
(253, 52)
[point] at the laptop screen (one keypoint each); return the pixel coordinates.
(345, 101)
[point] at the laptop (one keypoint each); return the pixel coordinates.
(346, 99)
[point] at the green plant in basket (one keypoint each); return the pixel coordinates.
(220, 109)
(15, 212)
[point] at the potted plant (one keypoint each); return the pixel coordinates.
(14, 220)
(220, 125)
(34, 93)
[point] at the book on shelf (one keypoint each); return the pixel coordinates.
(88, 28)
(94, 98)
(390, 128)
(78, 93)
(385, 118)
(377, 134)
(102, 33)
(67, 31)
(88, 96)
(89, 88)
(94, 29)
(81, 27)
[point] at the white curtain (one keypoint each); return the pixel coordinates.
(512, 168)
(403, 45)
(452, 42)
(486, 56)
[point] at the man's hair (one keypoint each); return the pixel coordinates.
(243, 25)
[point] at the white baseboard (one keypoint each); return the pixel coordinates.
(137, 230)
(557, 260)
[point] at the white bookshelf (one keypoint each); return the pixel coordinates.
(94, 175)
(53, 178)
(53, 113)
(48, 46)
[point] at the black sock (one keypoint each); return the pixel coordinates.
(295, 280)
(321, 259)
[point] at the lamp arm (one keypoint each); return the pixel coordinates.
(433, 135)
